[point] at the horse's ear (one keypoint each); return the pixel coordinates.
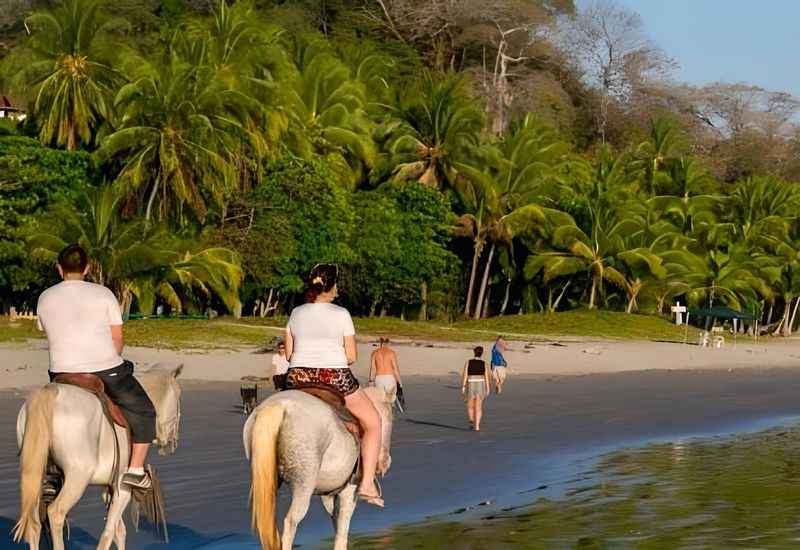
(178, 370)
(391, 395)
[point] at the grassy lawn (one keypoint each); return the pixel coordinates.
(230, 333)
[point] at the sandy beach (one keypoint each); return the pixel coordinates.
(24, 365)
(565, 405)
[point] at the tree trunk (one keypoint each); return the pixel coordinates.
(631, 303)
(484, 283)
(784, 318)
(476, 256)
(506, 297)
(127, 302)
(593, 292)
(373, 308)
(150, 202)
(423, 293)
(265, 310)
(485, 309)
(561, 295)
(787, 330)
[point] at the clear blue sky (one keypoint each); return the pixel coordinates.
(727, 40)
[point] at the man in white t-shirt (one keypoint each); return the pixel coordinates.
(83, 324)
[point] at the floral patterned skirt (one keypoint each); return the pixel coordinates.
(340, 380)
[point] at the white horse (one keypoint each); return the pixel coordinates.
(68, 424)
(301, 439)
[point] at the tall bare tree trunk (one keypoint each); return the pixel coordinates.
(476, 256)
(484, 283)
(790, 327)
(560, 295)
(593, 292)
(784, 319)
(506, 297)
(423, 293)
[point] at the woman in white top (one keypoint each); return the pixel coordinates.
(321, 346)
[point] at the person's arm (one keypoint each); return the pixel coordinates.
(464, 378)
(350, 349)
(373, 368)
(486, 379)
(349, 332)
(117, 338)
(288, 342)
(115, 322)
(396, 369)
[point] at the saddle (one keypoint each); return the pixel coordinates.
(336, 401)
(93, 384)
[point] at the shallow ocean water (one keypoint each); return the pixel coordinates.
(739, 491)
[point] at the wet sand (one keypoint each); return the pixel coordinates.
(539, 432)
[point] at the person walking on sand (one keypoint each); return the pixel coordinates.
(321, 346)
(280, 366)
(475, 386)
(384, 371)
(83, 324)
(499, 365)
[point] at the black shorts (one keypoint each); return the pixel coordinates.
(125, 391)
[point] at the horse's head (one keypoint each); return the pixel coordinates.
(161, 385)
(384, 403)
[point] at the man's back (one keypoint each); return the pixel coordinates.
(77, 317)
(385, 360)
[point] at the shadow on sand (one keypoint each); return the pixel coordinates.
(436, 425)
(78, 538)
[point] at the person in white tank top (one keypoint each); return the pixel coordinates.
(321, 346)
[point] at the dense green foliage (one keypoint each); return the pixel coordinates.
(240, 143)
(32, 178)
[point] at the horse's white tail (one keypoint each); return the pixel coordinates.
(264, 467)
(33, 460)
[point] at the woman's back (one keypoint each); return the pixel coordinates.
(476, 367)
(318, 331)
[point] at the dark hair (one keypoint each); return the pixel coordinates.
(383, 339)
(478, 351)
(321, 279)
(73, 259)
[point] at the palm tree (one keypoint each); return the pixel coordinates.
(654, 155)
(516, 173)
(763, 207)
(139, 263)
(434, 131)
(330, 106)
(727, 276)
(72, 78)
(180, 133)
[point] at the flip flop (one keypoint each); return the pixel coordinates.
(375, 500)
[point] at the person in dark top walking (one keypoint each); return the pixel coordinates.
(475, 387)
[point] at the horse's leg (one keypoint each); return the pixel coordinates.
(345, 506)
(75, 483)
(301, 498)
(329, 503)
(119, 534)
(111, 531)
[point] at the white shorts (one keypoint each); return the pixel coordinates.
(500, 372)
(386, 381)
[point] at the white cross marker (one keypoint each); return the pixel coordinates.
(678, 310)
